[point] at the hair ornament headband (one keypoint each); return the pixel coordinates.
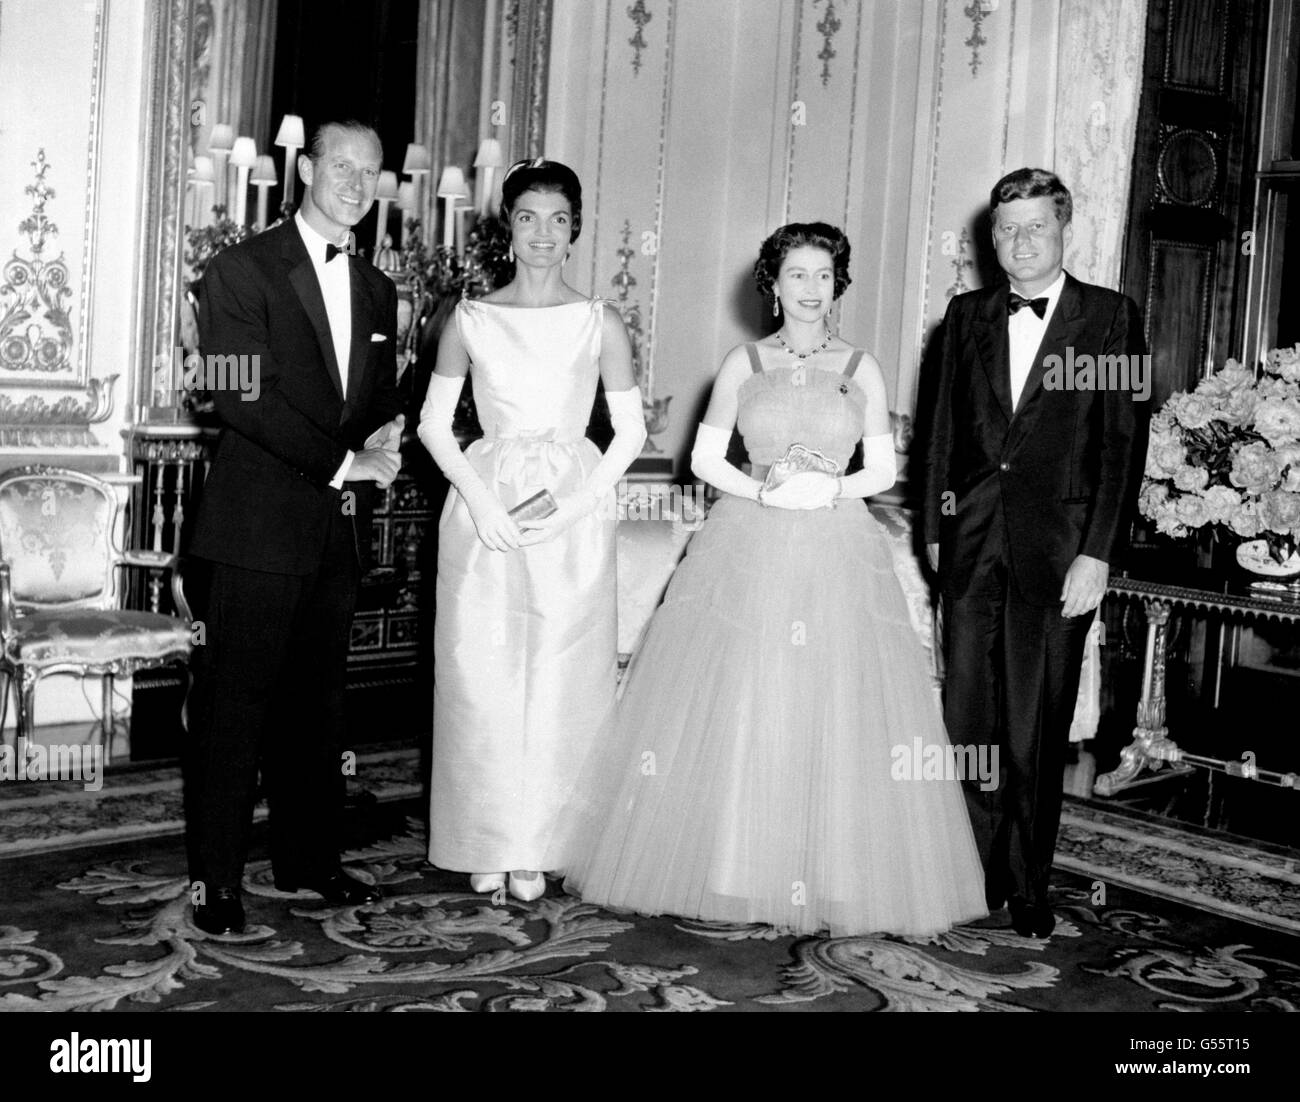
(535, 162)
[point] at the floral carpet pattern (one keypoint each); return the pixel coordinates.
(1236, 878)
(147, 804)
(110, 929)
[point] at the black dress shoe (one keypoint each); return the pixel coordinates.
(222, 914)
(1031, 919)
(338, 888)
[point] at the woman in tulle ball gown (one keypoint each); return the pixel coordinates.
(525, 637)
(758, 765)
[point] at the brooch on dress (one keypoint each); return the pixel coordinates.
(844, 388)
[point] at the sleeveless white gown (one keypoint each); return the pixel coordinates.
(525, 641)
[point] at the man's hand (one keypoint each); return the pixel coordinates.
(389, 436)
(376, 464)
(1085, 585)
(932, 554)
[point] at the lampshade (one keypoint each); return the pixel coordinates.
(221, 138)
(290, 132)
(417, 159)
(264, 171)
(489, 154)
(406, 197)
(387, 186)
(451, 184)
(201, 172)
(244, 153)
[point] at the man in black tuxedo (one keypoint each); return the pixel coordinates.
(1031, 466)
(283, 528)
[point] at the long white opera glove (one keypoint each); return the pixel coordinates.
(709, 462)
(809, 490)
(627, 415)
(879, 468)
(435, 434)
(628, 418)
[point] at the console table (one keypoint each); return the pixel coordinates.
(1151, 746)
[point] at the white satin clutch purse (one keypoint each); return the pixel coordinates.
(797, 460)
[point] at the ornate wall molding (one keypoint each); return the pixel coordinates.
(63, 423)
(528, 101)
(640, 17)
(827, 27)
(166, 130)
(656, 409)
(975, 11)
(961, 263)
(35, 326)
(45, 323)
(90, 211)
(43, 286)
(661, 176)
(795, 98)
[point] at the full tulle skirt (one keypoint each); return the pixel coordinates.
(761, 765)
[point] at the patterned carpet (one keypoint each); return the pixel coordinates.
(1149, 919)
(147, 803)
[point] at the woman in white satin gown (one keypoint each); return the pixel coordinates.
(525, 638)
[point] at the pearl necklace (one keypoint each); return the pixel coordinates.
(804, 355)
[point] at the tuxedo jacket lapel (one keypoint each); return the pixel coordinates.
(1067, 322)
(302, 278)
(362, 316)
(990, 331)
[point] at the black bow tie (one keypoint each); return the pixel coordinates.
(1037, 305)
(331, 251)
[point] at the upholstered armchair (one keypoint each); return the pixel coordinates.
(59, 591)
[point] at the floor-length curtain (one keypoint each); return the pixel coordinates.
(1099, 85)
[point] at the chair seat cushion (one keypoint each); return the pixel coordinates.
(97, 637)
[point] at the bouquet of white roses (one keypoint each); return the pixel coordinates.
(1227, 456)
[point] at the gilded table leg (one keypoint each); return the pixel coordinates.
(1151, 744)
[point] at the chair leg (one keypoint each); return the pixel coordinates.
(6, 679)
(185, 701)
(107, 723)
(26, 696)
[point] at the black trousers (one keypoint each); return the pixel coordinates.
(268, 694)
(1012, 678)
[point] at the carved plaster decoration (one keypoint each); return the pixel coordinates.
(961, 263)
(827, 28)
(640, 16)
(167, 122)
(64, 423)
(656, 409)
(975, 11)
(35, 326)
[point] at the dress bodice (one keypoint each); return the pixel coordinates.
(534, 369)
(819, 408)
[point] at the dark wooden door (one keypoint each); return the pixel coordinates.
(1191, 205)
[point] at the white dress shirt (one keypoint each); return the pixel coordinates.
(1025, 331)
(336, 289)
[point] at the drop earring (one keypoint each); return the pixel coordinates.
(510, 252)
(776, 307)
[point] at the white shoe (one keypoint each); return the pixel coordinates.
(484, 882)
(527, 887)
